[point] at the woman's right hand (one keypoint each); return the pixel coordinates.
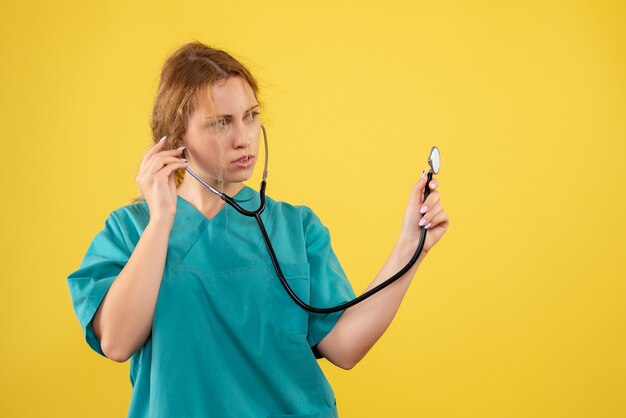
(156, 179)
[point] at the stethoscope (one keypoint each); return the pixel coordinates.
(434, 161)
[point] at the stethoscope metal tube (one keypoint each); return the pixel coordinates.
(256, 214)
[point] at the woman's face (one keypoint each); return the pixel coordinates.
(222, 137)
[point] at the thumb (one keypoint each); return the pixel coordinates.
(416, 198)
(171, 182)
(421, 185)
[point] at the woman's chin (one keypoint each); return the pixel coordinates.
(238, 178)
(241, 175)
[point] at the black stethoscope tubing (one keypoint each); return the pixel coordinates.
(256, 214)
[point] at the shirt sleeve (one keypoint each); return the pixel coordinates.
(106, 256)
(329, 284)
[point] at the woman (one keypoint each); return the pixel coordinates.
(182, 284)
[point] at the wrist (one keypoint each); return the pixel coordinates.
(407, 245)
(162, 221)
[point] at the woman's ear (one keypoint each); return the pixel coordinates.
(179, 143)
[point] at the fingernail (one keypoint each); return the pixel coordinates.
(179, 148)
(433, 184)
(423, 172)
(428, 226)
(184, 160)
(423, 209)
(163, 139)
(422, 222)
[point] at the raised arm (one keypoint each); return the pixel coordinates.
(123, 321)
(360, 326)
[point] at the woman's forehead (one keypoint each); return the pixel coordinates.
(228, 96)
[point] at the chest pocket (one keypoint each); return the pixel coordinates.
(232, 304)
(291, 318)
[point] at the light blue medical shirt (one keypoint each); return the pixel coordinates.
(227, 341)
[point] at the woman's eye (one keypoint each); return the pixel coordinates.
(219, 123)
(251, 116)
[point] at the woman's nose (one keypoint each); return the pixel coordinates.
(242, 137)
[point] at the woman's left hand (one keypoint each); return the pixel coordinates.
(434, 218)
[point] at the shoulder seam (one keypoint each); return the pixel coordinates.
(315, 234)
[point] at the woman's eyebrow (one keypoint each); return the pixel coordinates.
(229, 116)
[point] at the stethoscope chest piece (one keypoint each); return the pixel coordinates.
(434, 160)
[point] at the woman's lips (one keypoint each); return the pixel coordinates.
(244, 162)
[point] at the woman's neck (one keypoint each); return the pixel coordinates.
(204, 199)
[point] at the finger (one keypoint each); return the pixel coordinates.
(415, 196)
(169, 153)
(151, 162)
(431, 201)
(176, 151)
(170, 168)
(431, 187)
(421, 184)
(440, 219)
(418, 190)
(154, 149)
(159, 163)
(430, 215)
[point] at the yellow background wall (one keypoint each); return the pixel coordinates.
(518, 312)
